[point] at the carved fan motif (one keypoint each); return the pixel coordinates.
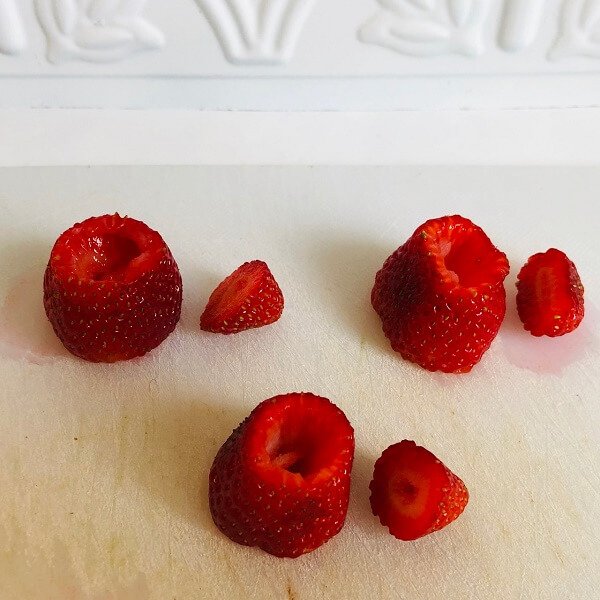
(257, 31)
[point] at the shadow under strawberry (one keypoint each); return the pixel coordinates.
(543, 354)
(172, 443)
(360, 515)
(25, 332)
(346, 265)
(198, 284)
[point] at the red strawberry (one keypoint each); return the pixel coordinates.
(248, 298)
(413, 493)
(112, 289)
(441, 297)
(282, 480)
(550, 294)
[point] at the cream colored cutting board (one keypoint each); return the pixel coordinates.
(103, 478)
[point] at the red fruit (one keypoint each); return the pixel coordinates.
(441, 297)
(550, 294)
(112, 289)
(282, 480)
(248, 298)
(413, 493)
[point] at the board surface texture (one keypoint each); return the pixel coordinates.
(103, 484)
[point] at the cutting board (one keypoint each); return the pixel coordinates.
(103, 484)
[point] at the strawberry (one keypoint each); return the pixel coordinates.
(550, 294)
(282, 480)
(441, 297)
(413, 493)
(112, 289)
(248, 298)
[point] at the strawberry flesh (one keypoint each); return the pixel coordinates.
(413, 493)
(112, 289)
(550, 294)
(441, 297)
(282, 480)
(248, 298)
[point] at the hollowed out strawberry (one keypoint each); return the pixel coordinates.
(112, 289)
(441, 297)
(282, 480)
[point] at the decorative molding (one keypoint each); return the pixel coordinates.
(438, 27)
(266, 32)
(13, 39)
(96, 30)
(429, 27)
(521, 23)
(579, 30)
(257, 31)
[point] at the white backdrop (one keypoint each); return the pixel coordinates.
(299, 54)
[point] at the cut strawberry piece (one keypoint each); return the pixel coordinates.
(441, 297)
(282, 480)
(112, 289)
(248, 298)
(413, 493)
(550, 294)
